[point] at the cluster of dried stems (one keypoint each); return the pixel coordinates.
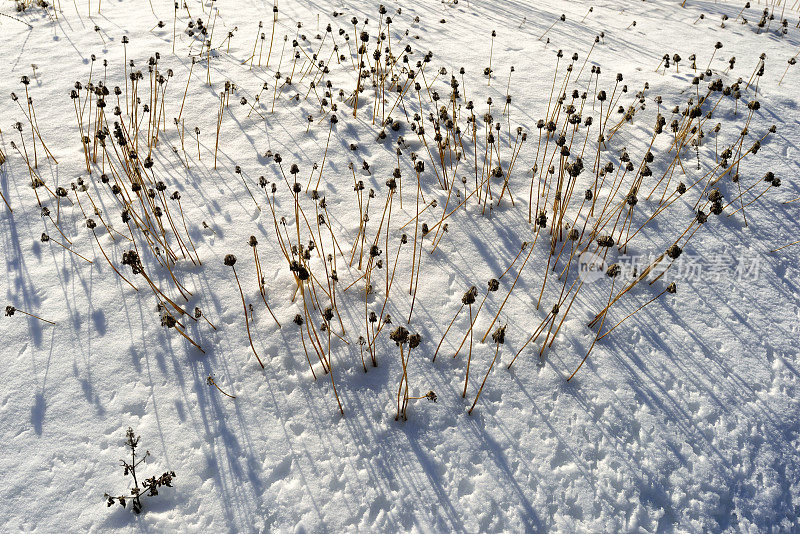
(585, 194)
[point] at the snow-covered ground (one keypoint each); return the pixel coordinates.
(684, 418)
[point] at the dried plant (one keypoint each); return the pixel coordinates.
(149, 486)
(499, 337)
(11, 310)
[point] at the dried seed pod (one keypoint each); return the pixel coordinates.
(605, 241)
(674, 251)
(470, 295)
(499, 335)
(399, 335)
(671, 288)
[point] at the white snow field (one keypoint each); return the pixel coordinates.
(683, 418)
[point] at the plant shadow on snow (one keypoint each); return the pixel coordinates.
(231, 458)
(699, 361)
(21, 287)
(228, 462)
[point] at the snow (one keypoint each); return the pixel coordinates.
(684, 418)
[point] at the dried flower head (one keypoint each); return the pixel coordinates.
(470, 295)
(499, 335)
(399, 335)
(671, 288)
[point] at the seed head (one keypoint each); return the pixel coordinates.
(674, 251)
(605, 241)
(469, 296)
(399, 335)
(499, 335)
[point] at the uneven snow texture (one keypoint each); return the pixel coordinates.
(684, 419)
